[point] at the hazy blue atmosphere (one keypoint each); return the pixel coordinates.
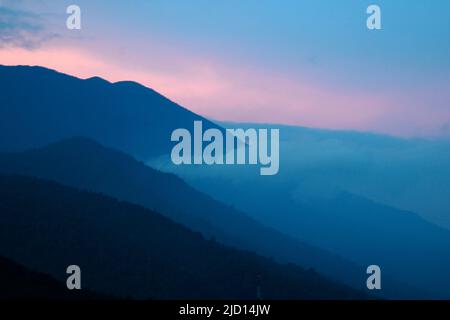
(87, 174)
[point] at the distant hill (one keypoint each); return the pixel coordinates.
(17, 282)
(40, 106)
(126, 250)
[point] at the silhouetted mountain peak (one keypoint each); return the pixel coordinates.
(98, 80)
(125, 115)
(34, 68)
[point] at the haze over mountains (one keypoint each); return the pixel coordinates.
(311, 198)
(320, 195)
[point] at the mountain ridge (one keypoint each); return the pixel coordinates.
(46, 106)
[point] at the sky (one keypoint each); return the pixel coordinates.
(310, 63)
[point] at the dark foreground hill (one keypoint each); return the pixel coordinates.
(17, 282)
(126, 250)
